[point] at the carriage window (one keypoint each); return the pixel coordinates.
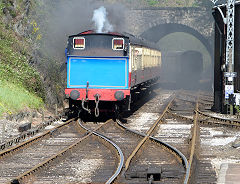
(118, 44)
(79, 43)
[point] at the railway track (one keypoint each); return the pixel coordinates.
(180, 128)
(214, 134)
(125, 140)
(157, 166)
(172, 145)
(205, 118)
(180, 131)
(142, 152)
(28, 134)
(22, 157)
(57, 155)
(200, 171)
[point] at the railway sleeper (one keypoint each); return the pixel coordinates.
(154, 174)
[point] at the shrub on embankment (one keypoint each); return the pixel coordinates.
(20, 83)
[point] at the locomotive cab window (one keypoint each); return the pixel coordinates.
(118, 44)
(79, 43)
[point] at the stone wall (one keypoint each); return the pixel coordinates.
(199, 19)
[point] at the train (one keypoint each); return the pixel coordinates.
(105, 69)
(182, 69)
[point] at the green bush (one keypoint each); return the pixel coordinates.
(152, 2)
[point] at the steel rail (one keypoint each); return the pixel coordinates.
(59, 154)
(193, 146)
(120, 153)
(218, 120)
(29, 133)
(168, 146)
(146, 137)
(180, 116)
(32, 140)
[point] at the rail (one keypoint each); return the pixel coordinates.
(120, 154)
(21, 177)
(32, 140)
(168, 146)
(193, 146)
(29, 133)
(215, 120)
(127, 163)
(218, 120)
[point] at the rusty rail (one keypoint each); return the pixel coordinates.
(193, 145)
(57, 155)
(147, 136)
(32, 140)
(29, 133)
(215, 120)
(166, 145)
(218, 121)
(119, 152)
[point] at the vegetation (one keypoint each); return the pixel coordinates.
(20, 83)
(166, 3)
(158, 3)
(14, 98)
(14, 66)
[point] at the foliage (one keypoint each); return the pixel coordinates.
(36, 30)
(1, 8)
(152, 2)
(237, 109)
(14, 98)
(14, 64)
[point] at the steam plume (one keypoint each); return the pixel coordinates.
(100, 19)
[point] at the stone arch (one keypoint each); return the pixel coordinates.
(156, 32)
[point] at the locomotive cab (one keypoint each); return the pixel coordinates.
(97, 69)
(105, 69)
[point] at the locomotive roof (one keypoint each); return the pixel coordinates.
(133, 39)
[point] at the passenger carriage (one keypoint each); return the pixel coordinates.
(104, 68)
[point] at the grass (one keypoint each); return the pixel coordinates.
(14, 98)
(20, 83)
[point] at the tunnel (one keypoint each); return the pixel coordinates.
(162, 31)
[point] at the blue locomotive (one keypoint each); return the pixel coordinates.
(104, 68)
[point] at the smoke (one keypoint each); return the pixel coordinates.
(101, 21)
(59, 19)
